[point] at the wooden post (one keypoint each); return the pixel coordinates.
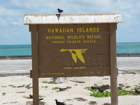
(35, 64)
(114, 72)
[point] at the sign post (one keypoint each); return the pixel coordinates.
(73, 45)
(114, 71)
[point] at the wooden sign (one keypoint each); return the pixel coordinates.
(74, 45)
(74, 50)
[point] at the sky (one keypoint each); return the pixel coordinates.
(13, 31)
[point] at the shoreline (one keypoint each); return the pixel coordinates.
(28, 73)
(21, 65)
(29, 57)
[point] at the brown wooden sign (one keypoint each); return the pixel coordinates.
(73, 45)
(74, 50)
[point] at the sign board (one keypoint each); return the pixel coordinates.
(74, 50)
(73, 45)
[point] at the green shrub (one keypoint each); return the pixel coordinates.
(92, 102)
(125, 92)
(3, 94)
(96, 93)
(28, 86)
(54, 88)
(51, 82)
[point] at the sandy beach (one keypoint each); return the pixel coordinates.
(14, 89)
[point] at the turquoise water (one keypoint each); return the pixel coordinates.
(15, 50)
(128, 47)
(25, 50)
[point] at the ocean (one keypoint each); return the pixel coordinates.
(25, 50)
(15, 50)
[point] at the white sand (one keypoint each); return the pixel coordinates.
(13, 96)
(25, 65)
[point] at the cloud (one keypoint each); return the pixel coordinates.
(3, 22)
(12, 12)
(16, 23)
(8, 12)
(74, 6)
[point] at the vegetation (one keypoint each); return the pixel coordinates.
(51, 82)
(28, 86)
(121, 85)
(54, 88)
(44, 86)
(68, 87)
(3, 94)
(24, 96)
(96, 93)
(125, 92)
(129, 72)
(92, 102)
